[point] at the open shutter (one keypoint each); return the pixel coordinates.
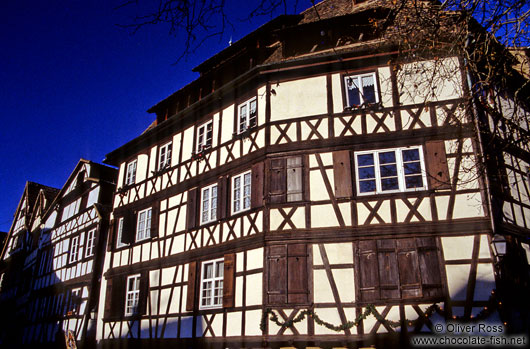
(342, 174)
(229, 280)
(277, 275)
(409, 274)
(256, 193)
(108, 299)
(128, 235)
(113, 231)
(388, 269)
(144, 293)
(222, 196)
(429, 265)
(368, 271)
(277, 181)
(191, 211)
(437, 169)
(155, 218)
(297, 289)
(115, 297)
(190, 297)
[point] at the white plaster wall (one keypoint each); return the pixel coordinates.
(298, 98)
(385, 86)
(336, 88)
(228, 123)
(141, 168)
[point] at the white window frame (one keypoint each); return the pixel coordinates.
(90, 243)
(213, 280)
(400, 170)
(143, 226)
(241, 196)
(246, 104)
(211, 205)
(130, 173)
(164, 156)
(132, 295)
(203, 145)
(361, 94)
(74, 249)
(119, 236)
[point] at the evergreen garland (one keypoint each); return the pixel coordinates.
(269, 314)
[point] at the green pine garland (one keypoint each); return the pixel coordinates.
(269, 314)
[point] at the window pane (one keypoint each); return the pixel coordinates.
(367, 186)
(411, 155)
(368, 89)
(412, 168)
(387, 157)
(413, 182)
(365, 159)
(389, 183)
(219, 269)
(366, 172)
(208, 271)
(388, 170)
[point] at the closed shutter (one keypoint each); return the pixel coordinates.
(342, 174)
(388, 269)
(229, 280)
(409, 276)
(297, 288)
(437, 169)
(113, 231)
(278, 181)
(368, 270)
(191, 211)
(144, 293)
(256, 193)
(155, 213)
(429, 265)
(128, 235)
(277, 275)
(192, 276)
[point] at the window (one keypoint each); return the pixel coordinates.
(75, 300)
(390, 170)
(209, 204)
(398, 269)
(285, 180)
(132, 298)
(90, 243)
(204, 136)
(212, 284)
(119, 242)
(241, 192)
(361, 90)
(131, 173)
(247, 116)
(74, 249)
(143, 226)
(164, 156)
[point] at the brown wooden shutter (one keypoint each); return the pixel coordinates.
(388, 269)
(277, 181)
(277, 275)
(192, 276)
(116, 296)
(368, 271)
(155, 213)
(342, 174)
(128, 235)
(429, 265)
(297, 288)
(144, 293)
(437, 169)
(191, 211)
(113, 231)
(108, 299)
(229, 279)
(222, 197)
(409, 273)
(256, 193)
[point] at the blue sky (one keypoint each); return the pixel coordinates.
(74, 85)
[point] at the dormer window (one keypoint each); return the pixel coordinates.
(247, 115)
(361, 90)
(204, 136)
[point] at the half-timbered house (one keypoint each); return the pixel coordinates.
(304, 171)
